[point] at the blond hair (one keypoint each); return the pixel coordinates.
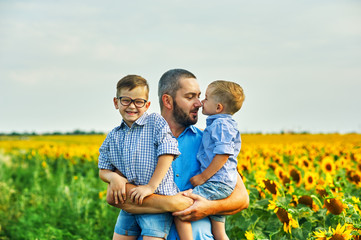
(229, 94)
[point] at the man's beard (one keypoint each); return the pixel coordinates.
(183, 118)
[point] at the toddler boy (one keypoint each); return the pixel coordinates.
(221, 144)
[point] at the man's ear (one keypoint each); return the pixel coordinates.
(115, 101)
(219, 108)
(167, 101)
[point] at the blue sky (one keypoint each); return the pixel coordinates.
(298, 62)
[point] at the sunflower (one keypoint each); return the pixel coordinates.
(305, 200)
(249, 235)
(321, 235)
(328, 165)
(340, 233)
(280, 173)
(102, 194)
(334, 205)
(296, 176)
(356, 177)
(310, 179)
(284, 217)
(304, 162)
(342, 162)
(271, 186)
(287, 220)
(321, 191)
(356, 232)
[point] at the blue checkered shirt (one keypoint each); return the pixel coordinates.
(134, 151)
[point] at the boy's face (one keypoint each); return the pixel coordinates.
(131, 113)
(209, 105)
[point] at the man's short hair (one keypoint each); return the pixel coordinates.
(169, 83)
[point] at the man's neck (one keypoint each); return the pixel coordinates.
(175, 127)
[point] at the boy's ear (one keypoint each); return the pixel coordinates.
(115, 101)
(219, 108)
(147, 104)
(167, 101)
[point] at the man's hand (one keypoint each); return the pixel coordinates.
(117, 188)
(139, 193)
(200, 208)
(197, 180)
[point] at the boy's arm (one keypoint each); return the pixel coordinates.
(202, 207)
(116, 182)
(139, 193)
(217, 163)
(152, 204)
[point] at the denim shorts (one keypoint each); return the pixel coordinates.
(214, 191)
(153, 225)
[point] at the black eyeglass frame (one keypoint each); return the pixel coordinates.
(133, 101)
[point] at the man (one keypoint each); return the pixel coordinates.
(179, 92)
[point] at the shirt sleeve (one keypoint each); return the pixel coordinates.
(104, 155)
(166, 142)
(223, 137)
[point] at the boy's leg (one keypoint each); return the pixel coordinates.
(219, 230)
(184, 229)
(151, 238)
(155, 226)
(126, 227)
(117, 236)
(214, 191)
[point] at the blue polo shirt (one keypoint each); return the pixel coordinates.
(185, 167)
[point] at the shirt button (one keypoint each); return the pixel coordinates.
(177, 175)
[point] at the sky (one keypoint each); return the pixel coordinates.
(299, 62)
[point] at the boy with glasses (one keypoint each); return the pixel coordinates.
(139, 151)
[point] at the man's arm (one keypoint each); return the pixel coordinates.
(152, 204)
(202, 207)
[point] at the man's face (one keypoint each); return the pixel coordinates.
(186, 103)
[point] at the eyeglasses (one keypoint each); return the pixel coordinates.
(126, 101)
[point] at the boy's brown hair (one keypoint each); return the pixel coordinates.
(230, 94)
(130, 82)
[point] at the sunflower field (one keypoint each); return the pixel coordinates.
(301, 186)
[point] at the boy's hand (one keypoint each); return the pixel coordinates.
(117, 188)
(139, 193)
(197, 180)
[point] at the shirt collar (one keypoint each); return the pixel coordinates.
(189, 128)
(140, 121)
(211, 118)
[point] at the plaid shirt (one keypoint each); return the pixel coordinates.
(134, 151)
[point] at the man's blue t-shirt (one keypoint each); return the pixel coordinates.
(184, 168)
